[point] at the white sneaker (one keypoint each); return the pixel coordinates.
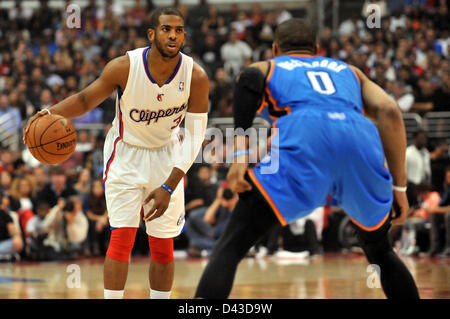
(290, 254)
(262, 252)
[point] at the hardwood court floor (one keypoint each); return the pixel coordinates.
(332, 276)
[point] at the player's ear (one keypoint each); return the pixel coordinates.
(150, 34)
(316, 47)
(275, 49)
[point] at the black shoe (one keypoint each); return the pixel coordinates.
(432, 253)
(194, 253)
(445, 253)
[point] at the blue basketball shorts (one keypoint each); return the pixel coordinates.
(314, 154)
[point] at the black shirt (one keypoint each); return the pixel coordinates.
(5, 219)
(47, 194)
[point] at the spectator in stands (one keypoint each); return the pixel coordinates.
(57, 187)
(424, 100)
(95, 159)
(197, 14)
(302, 235)
(84, 143)
(404, 99)
(281, 13)
(77, 225)
(429, 200)
(442, 94)
(205, 225)
(11, 242)
(10, 120)
(210, 53)
(46, 99)
(24, 191)
(418, 165)
(5, 182)
(200, 191)
(40, 178)
(20, 168)
(440, 217)
(83, 184)
(353, 24)
(6, 160)
(68, 226)
(234, 53)
(222, 88)
(40, 243)
(18, 101)
(240, 25)
(97, 214)
(225, 105)
(406, 76)
(268, 27)
(34, 85)
(87, 73)
(212, 21)
(257, 16)
(90, 49)
(439, 160)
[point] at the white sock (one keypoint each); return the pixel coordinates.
(156, 294)
(113, 294)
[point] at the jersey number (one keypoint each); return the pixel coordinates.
(321, 82)
(177, 121)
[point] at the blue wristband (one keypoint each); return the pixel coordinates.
(239, 153)
(167, 188)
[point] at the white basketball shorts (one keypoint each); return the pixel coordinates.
(130, 173)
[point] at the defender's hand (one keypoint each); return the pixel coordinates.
(235, 177)
(402, 208)
(31, 120)
(161, 199)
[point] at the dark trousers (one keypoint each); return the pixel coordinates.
(439, 221)
(252, 218)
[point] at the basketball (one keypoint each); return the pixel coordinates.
(51, 139)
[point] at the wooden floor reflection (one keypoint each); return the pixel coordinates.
(332, 276)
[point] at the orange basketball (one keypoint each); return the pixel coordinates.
(51, 139)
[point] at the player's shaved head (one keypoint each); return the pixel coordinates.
(296, 35)
(154, 19)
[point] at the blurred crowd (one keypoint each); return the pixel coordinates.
(54, 212)
(408, 55)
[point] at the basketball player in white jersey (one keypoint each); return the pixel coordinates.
(157, 87)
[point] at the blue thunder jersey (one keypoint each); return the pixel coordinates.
(322, 143)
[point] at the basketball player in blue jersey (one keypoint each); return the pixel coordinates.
(326, 145)
(157, 87)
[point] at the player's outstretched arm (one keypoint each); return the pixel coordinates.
(248, 93)
(386, 112)
(195, 123)
(114, 74)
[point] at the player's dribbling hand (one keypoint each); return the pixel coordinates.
(402, 208)
(161, 199)
(235, 177)
(31, 119)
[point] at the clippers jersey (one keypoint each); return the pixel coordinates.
(147, 115)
